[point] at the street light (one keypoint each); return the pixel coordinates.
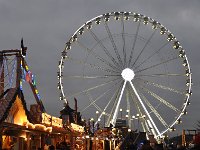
(132, 118)
(92, 120)
(126, 120)
(103, 113)
(97, 114)
(138, 116)
(121, 112)
(127, 116)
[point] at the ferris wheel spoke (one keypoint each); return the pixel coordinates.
(92, 101)
(104, 49)
(92, 77)
(144, 108)
(154, 111)
(164, 62)
(162, 86)
(114, 97)
(147, 42)
(133, 46)
(113, 42)
(138, 108)
(128, 108)
(135, 102)
(94, 66)
(94, 87)
(99, 97)
(169, 105)
(124, 42)
(118, 103)
(97, 56)
(157, 75)
(156, 52)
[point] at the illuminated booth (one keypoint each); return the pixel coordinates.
(21, 129)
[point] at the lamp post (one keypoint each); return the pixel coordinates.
(103, 113)
(97, 115)
(128, 117)
(121, 112)
(138, 117)
(127, 120)
(133, 117)
(92, 121)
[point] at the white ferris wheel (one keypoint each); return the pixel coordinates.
(126, 65)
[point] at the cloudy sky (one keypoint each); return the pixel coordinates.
(47, 25)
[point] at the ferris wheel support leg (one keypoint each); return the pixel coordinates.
(146, 111)
(118, 103)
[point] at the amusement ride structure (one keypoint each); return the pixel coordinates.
(14, 70)
(124, 65)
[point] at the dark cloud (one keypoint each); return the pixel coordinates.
(46, 26)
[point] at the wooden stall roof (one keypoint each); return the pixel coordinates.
(6, 101)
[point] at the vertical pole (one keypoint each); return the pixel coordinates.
(183, 138)
(42, 141)
(28, 141)
(104, 120)
(20, 146)
(72, 141)
(97, 115)
(87, 144)
(18, 70)
(121, 112)
(2, 74)
(93, 126)
(110, 142)
(1, 141)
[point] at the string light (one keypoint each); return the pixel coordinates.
(31, 79)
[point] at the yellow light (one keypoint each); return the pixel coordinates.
(77, 128)
(27, 68)
(51, 120)
(36, 91)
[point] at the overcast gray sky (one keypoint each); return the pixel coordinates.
(46, 26)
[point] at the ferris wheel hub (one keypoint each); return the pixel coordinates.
(128, 74)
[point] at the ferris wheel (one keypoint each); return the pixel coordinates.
(124, 65)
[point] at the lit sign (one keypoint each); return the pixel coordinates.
(77, 128)
(51, 120)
